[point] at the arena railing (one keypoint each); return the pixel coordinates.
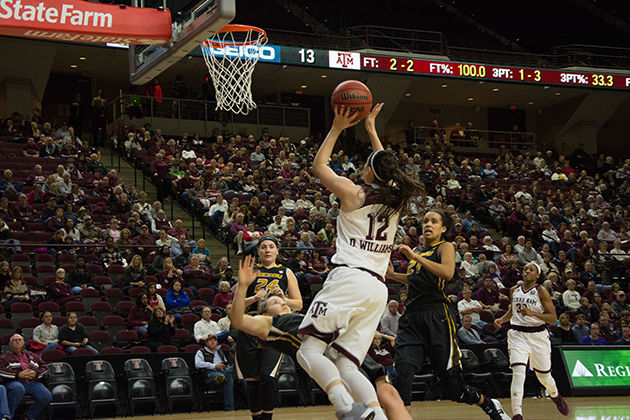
(139, 106)
(488, 141)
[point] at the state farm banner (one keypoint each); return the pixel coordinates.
(82, 21)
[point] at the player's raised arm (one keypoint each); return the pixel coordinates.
(445, 269)
(347, 191)
(254, 325)
(370, 127)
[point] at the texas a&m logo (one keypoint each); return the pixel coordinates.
(318, 308)
(344, 60)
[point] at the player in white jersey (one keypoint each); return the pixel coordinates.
(345, 313)
(528, 338)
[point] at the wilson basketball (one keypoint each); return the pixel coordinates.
(352, 94)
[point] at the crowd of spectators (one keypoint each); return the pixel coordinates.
(566, 211)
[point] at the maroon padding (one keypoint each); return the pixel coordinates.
(6, 323)
(53, 355)
(181, 334)
(100, 337)
(192, 348)
(127, 335)
(21, 307)
(30, 322)
(89, 293)
(113, 292)
(88, 321)
(113, 320)
(124, 306)
(83, 352)
(75, 307)
(167, 348)
(101, 307)
(111, 350)
(139, 350)
(189, 318)
(48, 306)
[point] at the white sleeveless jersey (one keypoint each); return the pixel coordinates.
(364, 238)
(531, 300)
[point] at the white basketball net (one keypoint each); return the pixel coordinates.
(231, 57)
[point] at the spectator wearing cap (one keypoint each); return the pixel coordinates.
(581, 328)
(593, 338)
(620, 304)
(90, 233)
(23, 372)
(213, 362)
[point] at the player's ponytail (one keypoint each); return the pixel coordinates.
(395, 187)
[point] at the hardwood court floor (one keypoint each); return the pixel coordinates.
(582, 408)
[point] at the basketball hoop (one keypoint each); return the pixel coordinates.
(231, 55)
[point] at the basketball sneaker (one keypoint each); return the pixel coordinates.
(358, 412)
(561, 405)
(497, 412)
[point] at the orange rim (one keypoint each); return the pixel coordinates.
(237, 28)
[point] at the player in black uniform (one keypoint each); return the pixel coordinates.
(260, 366)
(277, 327)
(426, 327)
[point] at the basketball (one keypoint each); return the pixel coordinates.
(352, 94)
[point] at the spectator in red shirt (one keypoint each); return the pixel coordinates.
(224, 296)
(23, 371)
(488, 295)
(161, 176)
(140, 315)
(178, 229)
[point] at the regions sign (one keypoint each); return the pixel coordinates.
(82, 21)
(598, 368)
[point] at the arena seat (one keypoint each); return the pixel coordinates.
(63, 388)
(141, 388)
(102, 388)
(177, 382)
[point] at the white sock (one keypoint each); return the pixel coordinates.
(548, 382)
(311, 357)
(360, 387)
(517, 389)
(340, 398)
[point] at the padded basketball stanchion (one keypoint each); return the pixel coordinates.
(231, 55)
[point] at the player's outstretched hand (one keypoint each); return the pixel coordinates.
(370, 124)
(345, 118)
(246, 274)
(406, 251)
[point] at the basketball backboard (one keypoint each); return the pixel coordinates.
(193, 23)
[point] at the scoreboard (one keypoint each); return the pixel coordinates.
(422, 67)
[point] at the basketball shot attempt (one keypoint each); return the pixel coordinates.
(528, 338)
(344, 315)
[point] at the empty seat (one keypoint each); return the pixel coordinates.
(140, 384)
(126, 337)
(63, 388)
(90, 323)
(78, 307)
(102, 388)
(100, 310)
(113, 324)
(52, 307)
(100, 340)
(177, 381)
(89, 296)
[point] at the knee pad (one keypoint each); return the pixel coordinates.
(254, 396)
(455, 389)
(268, 393)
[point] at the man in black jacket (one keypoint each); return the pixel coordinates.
(216, 369)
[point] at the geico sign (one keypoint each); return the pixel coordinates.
(67, 14)
(264, 53)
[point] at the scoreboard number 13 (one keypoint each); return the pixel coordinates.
(307, 56)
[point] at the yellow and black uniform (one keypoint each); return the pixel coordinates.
(259, 364)
(251, 359)
(283, 337)
(426, 328)
(267, 279)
